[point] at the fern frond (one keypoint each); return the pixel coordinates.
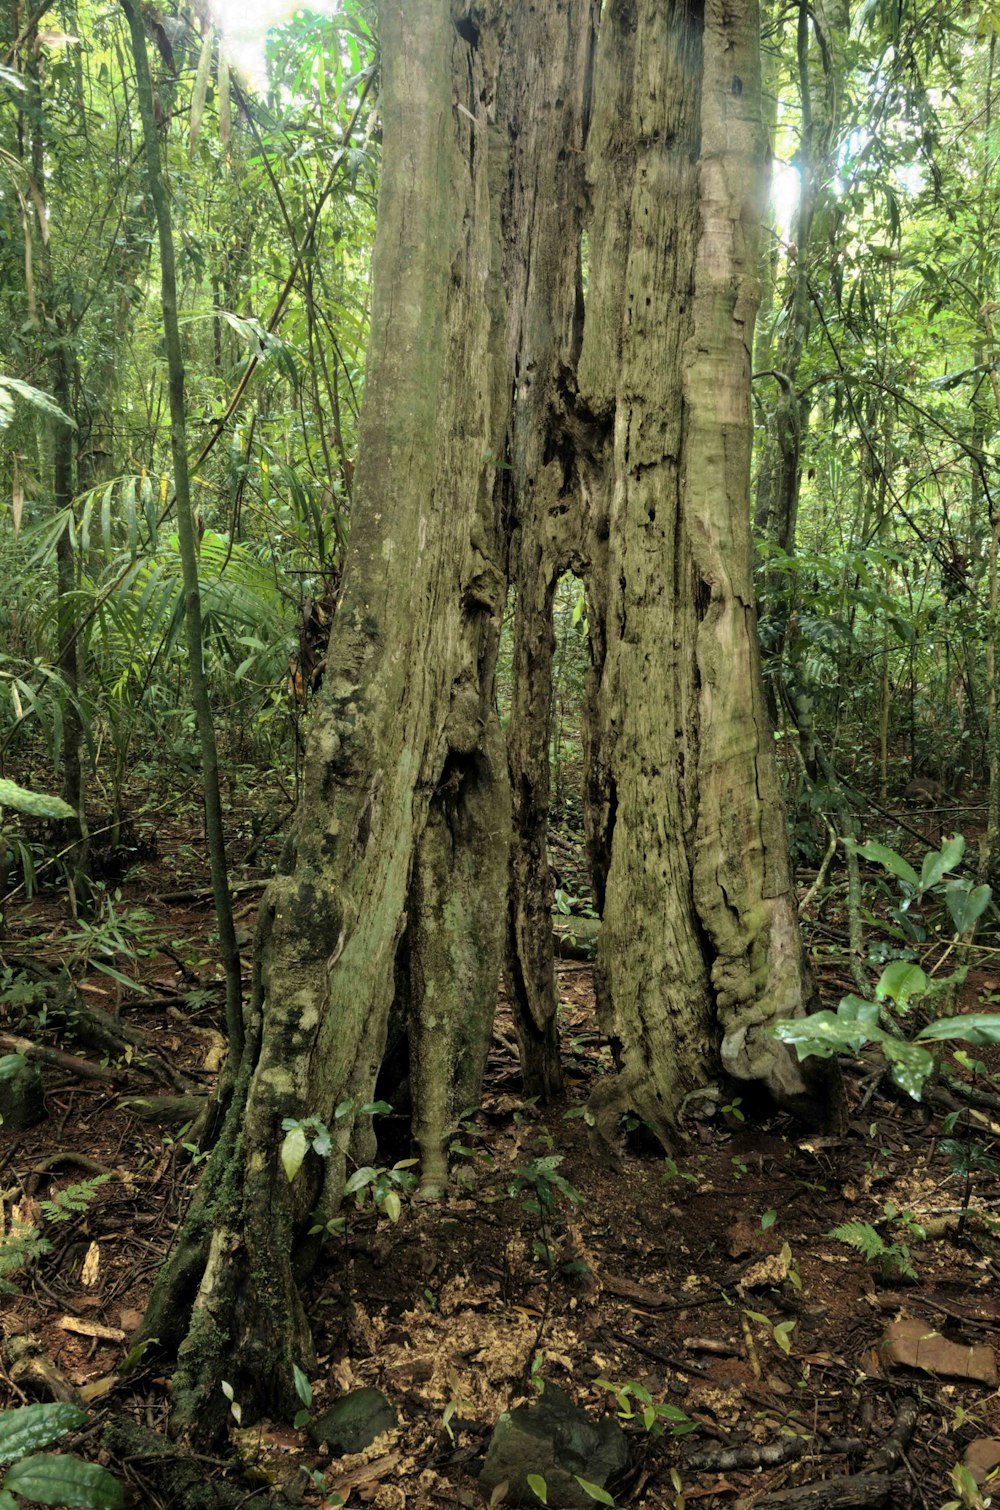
(862, 1236)
(74, 1198)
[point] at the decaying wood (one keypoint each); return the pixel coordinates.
(84, 1068)
(879, 1480)
(858, 1491)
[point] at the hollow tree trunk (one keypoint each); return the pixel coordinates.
(399, 846)
(700, 939)
(544, 209)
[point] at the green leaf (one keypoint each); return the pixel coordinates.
(952, 851)
(673, 1412)
(594, 1491)
(293, 1151)
(136, 1354)
(823, 1034)
(862, 1236)
(7, 1501)
(899, 981)
(361, 1177)
(783, 1335)
(861, 1014)
(392, 1206)
(11, 1065)
(35, 804)
(910, 1064)
(768, 1220)
(65, 1480)
(538, 1487)
(978, 1027)
(36, 398)
(937, 862)
(883, 855)
(33, 1426)
(966, 903)
(302, 1386)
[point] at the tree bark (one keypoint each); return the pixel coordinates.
(543, 210)
(399, 849)
(186, 534)
(700, 939)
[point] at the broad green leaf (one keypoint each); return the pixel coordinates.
(65, 1480)
(361, 1177)
(538, 1487)
(36, 398)
(819, 1036)
(783, 1335)
(854, 1009)
(32, 1426)
(7, 1501)
(937, 862)
(594, 1491)
(900, 981)
(978, 1027)
(293, 1151)
(966, 903)
(768, 1220)
(883, 855)
(35, 804)
(392, 1206)
(674, 1412)
(952, 850)
(910, 1064)
(10, 1065)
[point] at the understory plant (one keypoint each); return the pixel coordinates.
(48, 1478)
(903, 983)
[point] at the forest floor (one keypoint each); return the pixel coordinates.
(708, 1282)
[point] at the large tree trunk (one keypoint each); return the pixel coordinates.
(378, 946)
(700, 948)
(400, 840)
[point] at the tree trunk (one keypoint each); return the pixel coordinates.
(400, 843)
(378, 945)
(700, 937)
(822, 31)
(49, 320)
(543, 209)
(188, 541)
